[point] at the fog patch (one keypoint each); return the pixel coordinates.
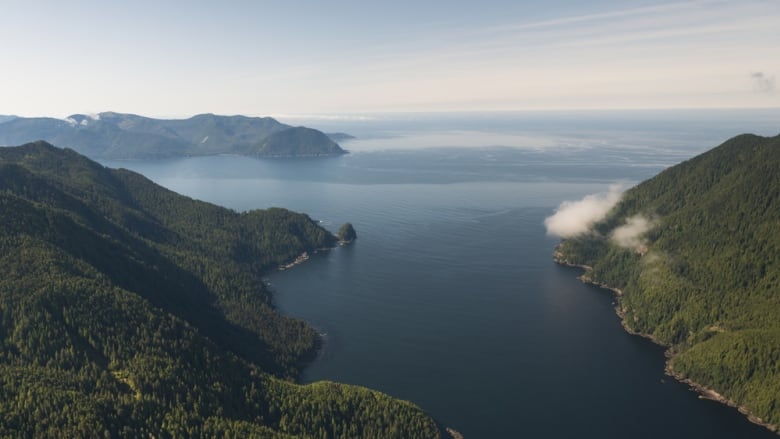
(653, 263)
(631, 235)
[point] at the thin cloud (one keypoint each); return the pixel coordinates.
(763, 83)
(631, 235)
(585, 18)
(673, 24)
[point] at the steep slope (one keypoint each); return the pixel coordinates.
(704, 279)
(127, 310)
(298, 141)
(117, 135)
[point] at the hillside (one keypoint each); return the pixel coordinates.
(127, 310)
(298, 141)
(123, 136)
(704, 276)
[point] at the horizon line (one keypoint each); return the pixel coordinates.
(366, 115)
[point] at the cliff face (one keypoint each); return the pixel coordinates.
(703, 273)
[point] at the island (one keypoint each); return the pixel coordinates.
(346, 233)
(131, 311)
(693, 255)
(112, 135)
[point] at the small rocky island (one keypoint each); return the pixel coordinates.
(346, 234)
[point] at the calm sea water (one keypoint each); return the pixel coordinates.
(449, 297)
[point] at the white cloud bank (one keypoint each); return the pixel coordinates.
(573, 218)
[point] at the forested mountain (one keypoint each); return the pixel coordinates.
(703, 275)
(297, 142)
(127, 310)
(122, 136)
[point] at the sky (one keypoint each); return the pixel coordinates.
(178, 58)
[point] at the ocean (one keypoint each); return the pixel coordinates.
(449, 297)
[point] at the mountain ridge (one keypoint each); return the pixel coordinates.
(111, 135)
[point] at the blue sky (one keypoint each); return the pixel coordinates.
(178, 58)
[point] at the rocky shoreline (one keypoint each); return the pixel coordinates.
(707, 393)
(303, 257)
(703, 391)
(454, 434)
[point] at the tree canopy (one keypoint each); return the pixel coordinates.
(706, 280)
(127, 310)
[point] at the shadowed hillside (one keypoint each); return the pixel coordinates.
(127, 310)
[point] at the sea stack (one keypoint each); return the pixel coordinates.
(346, 234)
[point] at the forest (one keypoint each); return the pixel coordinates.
(704, 279)
(127, 310)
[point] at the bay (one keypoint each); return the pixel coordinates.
(449, 297)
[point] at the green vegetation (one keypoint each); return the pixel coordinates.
(706, 279)
(299, 142)
(121, 136)
(127, 310)
(346, 233)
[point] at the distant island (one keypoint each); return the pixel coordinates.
(694, 257)
(129, 310)
(127, 136)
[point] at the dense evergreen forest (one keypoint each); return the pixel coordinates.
(127, 310)
(704, 277)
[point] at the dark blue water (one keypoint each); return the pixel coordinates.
(449, 297)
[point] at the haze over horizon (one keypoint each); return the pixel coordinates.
(176, 59)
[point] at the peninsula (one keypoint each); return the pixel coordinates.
(131, 311)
